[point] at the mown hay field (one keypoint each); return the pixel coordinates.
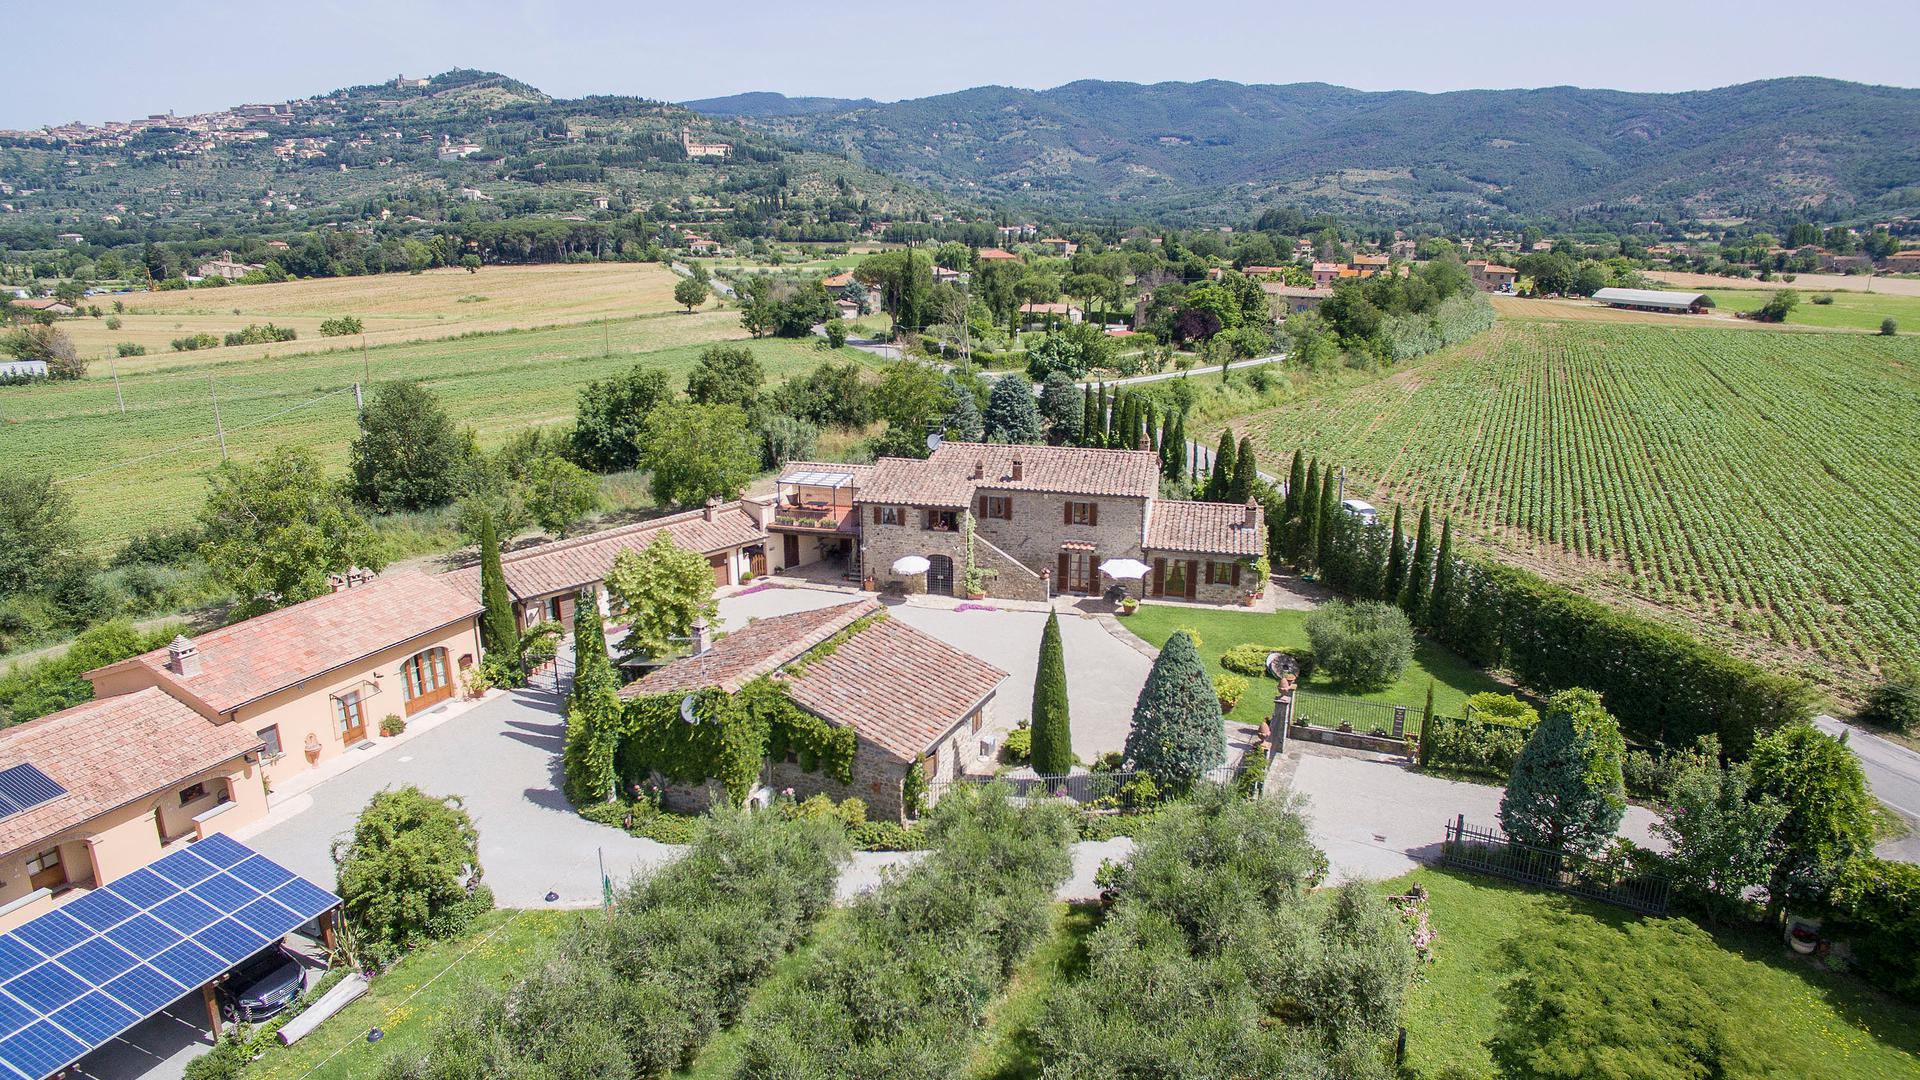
(1760, 484)
(148, 467)
(392, 307)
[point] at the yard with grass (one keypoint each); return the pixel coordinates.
(1847, 310)
(408, 1000)
(1453, 679)
(1801, 1020)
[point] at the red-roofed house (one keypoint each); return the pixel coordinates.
(132, 777)
(311, 681)
(907, 696)
(1044, 519)
(993, 254)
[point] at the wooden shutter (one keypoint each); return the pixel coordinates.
(1006, 508)
(876, 515)
(1193, 577)
(1159, 577)
(1236, 573)
(1093, 513)
(980, 506)
(1060, 578)
(1066, 518)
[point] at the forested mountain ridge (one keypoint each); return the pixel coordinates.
(1219, 147)
(462, 146)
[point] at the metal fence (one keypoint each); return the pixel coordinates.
(1366, 717)
(1490, 851)
(1090, 787)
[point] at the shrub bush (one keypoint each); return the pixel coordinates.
(392, 724)
(1247, 659)
(1230, 689)
(341, 326)
(1877, 905)
(1484, 747)
(409, 872)
(1502, 708)
(1018, 749)
(1894, 702)
(1364, 645)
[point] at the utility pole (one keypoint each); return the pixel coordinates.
(359, 403)
(218, 428)
(606, 339)
(115, 368)
(366, 371)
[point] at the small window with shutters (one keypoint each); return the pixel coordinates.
(996, 506)
(1082, 513)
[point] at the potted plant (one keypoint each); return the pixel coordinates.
(1129, 605)
(974, 581)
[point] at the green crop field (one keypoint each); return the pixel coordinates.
(1759, 484)
(148, 466)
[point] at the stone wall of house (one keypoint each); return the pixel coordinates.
(1008, 578)
(877, 776)
(886, 544)
(1204, 593)
(1038, 528)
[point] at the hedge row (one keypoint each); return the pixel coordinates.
(638, 993)
(901, 985)
(1667, 686)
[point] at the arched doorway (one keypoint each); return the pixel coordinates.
(427, 681)
(940, 575)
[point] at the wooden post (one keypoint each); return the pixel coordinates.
(213, 1011)
(327, 933)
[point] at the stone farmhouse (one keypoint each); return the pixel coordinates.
(1036, 520)
(907, 696)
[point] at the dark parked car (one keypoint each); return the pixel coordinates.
(263, 984)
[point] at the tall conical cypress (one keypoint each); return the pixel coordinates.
(590, 662)
(1052, 725)
(1307, 545)
(1420, 572)
(1289, 537)
(1221, 482)
(1178, 469)
(1246, 469)
(1440, 604)
(1178, 733)
(1089, 418)
(593, 709)
(499, 633)
(1329, 506)
(1396, 579)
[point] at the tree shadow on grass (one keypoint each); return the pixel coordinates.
(1009, 1051)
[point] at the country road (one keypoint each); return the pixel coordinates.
(1893, 772)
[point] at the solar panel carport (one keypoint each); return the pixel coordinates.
(77, 977)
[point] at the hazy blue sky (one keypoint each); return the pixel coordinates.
(118, 60)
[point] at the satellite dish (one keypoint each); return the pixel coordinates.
(686, 710)
(933, 441)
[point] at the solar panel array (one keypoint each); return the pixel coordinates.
(76, 977)
(25, 786)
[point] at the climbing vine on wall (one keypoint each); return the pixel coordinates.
(733, 736)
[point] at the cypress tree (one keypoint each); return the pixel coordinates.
(499, 633)
(1178, 469)
(1106, 417)
(1163, 440)
(1221, 482)
(1289, 534)
(1396, 579)
(1420, 573)
(590, 660)
(1307, 546)
(1052, 727)
(1329, 506)
(1440, 604)
(1246, 470)
(593, 709)
(1090, 418)
(1178, 733)
(1567, 790)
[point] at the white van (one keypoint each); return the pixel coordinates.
(1361, 509)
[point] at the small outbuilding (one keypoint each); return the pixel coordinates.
(1655, 300)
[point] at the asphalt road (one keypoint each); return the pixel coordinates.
(1893, 772)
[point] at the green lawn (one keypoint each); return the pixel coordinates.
(1849, 310)
(1006, 1051)
(406, 1002)
(1453, 678)
(1812, 1023)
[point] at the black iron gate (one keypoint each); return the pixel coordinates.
(940, 575)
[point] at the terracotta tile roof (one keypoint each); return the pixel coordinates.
(838, 281)
(111, 752)
(749, 652)
(572, 564)
(946, 478)
(995, 253)
(1048, 309)
(254, 658)
(898, 688)
(1204, 528)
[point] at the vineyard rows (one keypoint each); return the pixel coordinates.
(1763, 484)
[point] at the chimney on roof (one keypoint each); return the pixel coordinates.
(979, 468)
(1253, 514)
(713, 504)
(697, 635)
(1019, 470)
(183, 659)
(1146, 442)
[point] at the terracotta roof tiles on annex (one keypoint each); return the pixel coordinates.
(251, 659)
(754, 650)
(947, 477)
(110, 752)
(574, 563)
(1204, 528)
(899, 688)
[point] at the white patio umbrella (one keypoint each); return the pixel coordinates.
(911, 564)
(1125, 569)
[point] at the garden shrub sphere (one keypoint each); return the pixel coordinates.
(1363, 645)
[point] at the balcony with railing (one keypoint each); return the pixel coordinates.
(812, 518)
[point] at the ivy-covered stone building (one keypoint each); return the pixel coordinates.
(840, 701)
